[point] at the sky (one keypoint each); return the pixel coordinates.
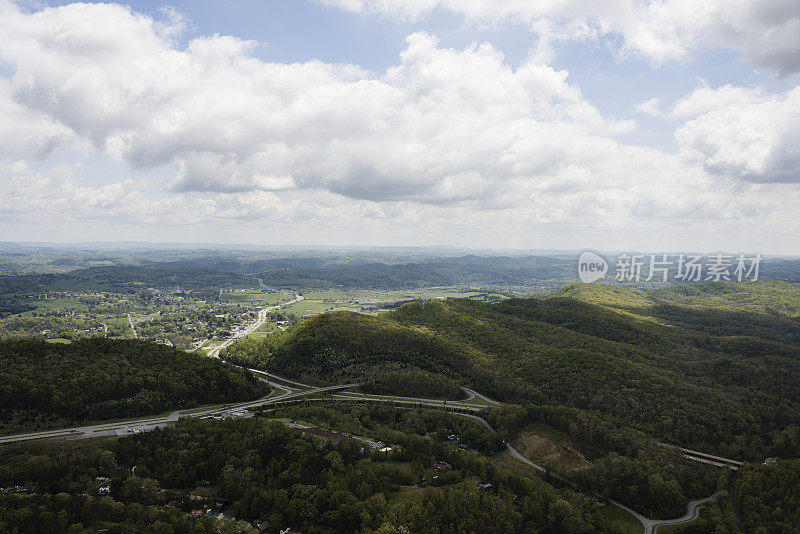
(669, 125)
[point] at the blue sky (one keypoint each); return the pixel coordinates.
(450, 126)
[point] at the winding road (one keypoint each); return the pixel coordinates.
(292, 390)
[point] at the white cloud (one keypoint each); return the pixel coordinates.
(650, 107)
(26, 133)
(454, 140)
(441, 126)
(743, 132)
(768, 32)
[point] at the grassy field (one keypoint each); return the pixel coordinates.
(254, 297)
(48, 305)
(59, 340)
(405, 495)
(321, 301)
(311, 307)
(626, 522)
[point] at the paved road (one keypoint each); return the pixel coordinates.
(650, 525)
(464, 403)
(706, 458)
(262, 318)
(149, 423)
(130, 322)
(276, 377)
(691, 514)
(290, 393)
(474, 394)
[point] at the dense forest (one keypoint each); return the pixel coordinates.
(725, 380)
(258, 472)
(764, 499)
(714, 367)
(44, 384)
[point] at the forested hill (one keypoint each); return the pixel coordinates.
(721, 378)
(44, 384)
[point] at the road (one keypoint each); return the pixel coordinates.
(464, 404)
(650, 525)
(262, 318)
(130, 322)
(149, 423)
(290, 392)
(691, 514)
(706, 458)
(302, 390)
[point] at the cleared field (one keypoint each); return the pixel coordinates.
(322, 301)
(46, 305)
(310, 307)
(626, 522)
(405, 495)
(254, 297)
(543, 443)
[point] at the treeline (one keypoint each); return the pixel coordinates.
(414, 383)
(71, 514)
(763, 499)
(263, 471)
(205, 282)
(768, 497)
(100, 379)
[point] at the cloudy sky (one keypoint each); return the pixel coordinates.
(668, 125)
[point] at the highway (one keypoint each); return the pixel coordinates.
(262, 318)
(148, 423)
(290, 392)
(706, 458)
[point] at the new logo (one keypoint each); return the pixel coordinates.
(591, 267)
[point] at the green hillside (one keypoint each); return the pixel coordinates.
(720, 378)
(45, 385)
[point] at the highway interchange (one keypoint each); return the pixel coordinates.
(287, 390)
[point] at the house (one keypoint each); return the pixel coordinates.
(104, 490)
(369, 308)
(442, 466)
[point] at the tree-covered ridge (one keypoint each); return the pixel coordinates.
(768, 497)
(772, 297)
(263, 472)
(104, 379)
(720, 380)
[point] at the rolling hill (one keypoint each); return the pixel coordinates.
(722, 377)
